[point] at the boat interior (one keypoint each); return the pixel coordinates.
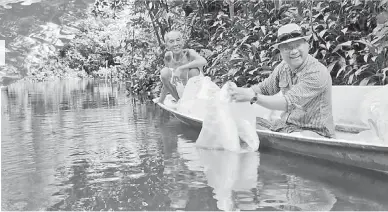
(350, 126)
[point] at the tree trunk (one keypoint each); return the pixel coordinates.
(153, 23)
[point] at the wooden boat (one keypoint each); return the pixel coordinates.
(345, 149)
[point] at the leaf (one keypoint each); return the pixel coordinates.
(323, 52)
(328, 45)
(315, 37)
(322, 46)
(366, 57)
(350, 53)
(341, 70)
(365, 81)
(319, 6)
(367, 43)
(215, 23)
(383, 2)
(331, 66)
(244, 39)
(233, 71)
(321, 34)
(331, 24)
(339, 46)
(326, 17)
(350, 79)
(374, 58)
(347, 43)
(384, 73)
(361, 69)
(264, 30)
(253, 71)
(236, 59)
(357, 2)
(315, 53)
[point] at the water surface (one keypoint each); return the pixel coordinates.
(85, 145)
(35, 28)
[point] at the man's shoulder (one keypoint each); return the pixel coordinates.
(188, 51)
(317, 71)
(316, 66)
(168, 56)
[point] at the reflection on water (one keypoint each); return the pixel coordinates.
(35, 28)
(231, 175)
(84, 145)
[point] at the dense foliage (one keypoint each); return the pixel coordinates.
(124, 39)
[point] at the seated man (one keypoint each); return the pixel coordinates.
(180, 65)
(306, 86)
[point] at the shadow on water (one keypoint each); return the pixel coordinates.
(87, 145)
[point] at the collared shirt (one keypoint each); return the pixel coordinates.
(307, 91)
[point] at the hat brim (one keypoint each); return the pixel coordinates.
(307, 37)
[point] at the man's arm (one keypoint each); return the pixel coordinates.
(167, 59)
(276, 102)
(197, 62)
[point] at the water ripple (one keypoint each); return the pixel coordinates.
(134, 156)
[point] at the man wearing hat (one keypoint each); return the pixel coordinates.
(306, 86)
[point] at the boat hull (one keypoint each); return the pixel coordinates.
(362, 156)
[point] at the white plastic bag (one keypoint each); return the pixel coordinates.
(245, 118)
(374, 112)
(219, 130)
(198, 91)
(208, 89)
(224, 124)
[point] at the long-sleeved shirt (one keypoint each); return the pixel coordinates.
(307, 91)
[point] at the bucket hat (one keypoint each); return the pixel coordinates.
(288, 33)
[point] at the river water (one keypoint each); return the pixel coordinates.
(87, 145)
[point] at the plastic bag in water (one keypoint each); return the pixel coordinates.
(226, 122)
(245, 118)
(374, 112)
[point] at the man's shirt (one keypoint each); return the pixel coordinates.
(307, 91)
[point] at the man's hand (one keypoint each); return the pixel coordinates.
(241, 94)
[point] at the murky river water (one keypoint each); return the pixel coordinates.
(84, 145)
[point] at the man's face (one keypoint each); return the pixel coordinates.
(174, 42)
(294, 53)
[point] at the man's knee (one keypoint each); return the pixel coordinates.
(165, 74)
(193, 72)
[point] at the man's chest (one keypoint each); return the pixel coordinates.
(287, 80)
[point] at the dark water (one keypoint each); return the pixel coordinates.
(83, 145)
